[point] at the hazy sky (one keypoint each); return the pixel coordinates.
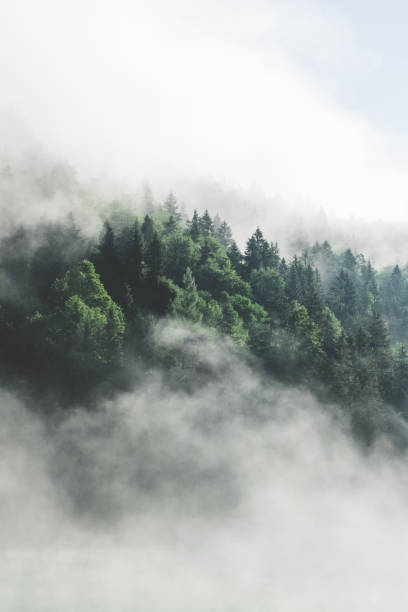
(302, 98)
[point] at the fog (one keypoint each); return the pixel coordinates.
(234, 92)
(241, 495)
(37, 185)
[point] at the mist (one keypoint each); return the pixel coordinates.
(237, 93)
(209, 484)
(242, 494)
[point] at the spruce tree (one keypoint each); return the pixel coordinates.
(185, 304)
(134, 258)
(195, 226)
(155, 258)
(205, 252)
(148, 230)
(224, 235)
(206, 224)
(171, 207)
(235, 257)
(109, 265)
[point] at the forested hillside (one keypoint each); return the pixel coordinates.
(78, 314)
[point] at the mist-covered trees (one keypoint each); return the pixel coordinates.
(80, 311)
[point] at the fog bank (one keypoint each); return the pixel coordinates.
(241, 495)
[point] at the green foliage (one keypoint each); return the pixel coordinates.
(181, 253)
(87, 328)
(269, 290)
(323, 319)
(186, 303)
(232, 325)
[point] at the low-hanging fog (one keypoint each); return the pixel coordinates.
(242, 495)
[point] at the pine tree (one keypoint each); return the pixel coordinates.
(108, 264)
(343, 298)
(170, 226)
(155, 257)
(148, 200)
(223, 234)
(185, 305)
(195, 226)
(134, 258)
(400, 382)
(381, 354)
(349, 261)
(293, 284)
(312, 298)
(235, 257)
(148, 230)
(206, 224)
(205, 252)
(171, 207)
(283, 268)
(232, 325)
(255, 251)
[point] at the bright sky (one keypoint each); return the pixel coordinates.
(305, 99)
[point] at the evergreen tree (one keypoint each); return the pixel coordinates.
(223, 234)
(148, 200)
(257, 250)
(349, 261)
(155, 257)
(400, 382)
(206, 224)
(294, 281)
(232, 325)
(283, 268)
(171, 207)
(108, 264)
(186, 303)
(205, 252)
(195, 226)
(171, 225)
(343, 299)
(134, 258)
(235, 257)
(148, 230)
(381, 354)
(312, 298)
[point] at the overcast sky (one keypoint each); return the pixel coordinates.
(305, 99)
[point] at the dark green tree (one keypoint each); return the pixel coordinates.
(148, 230)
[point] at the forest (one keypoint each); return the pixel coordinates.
(79, 315)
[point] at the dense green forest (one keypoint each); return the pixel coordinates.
(78, 316)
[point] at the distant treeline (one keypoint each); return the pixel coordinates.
(77, 316)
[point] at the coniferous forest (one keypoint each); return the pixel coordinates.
(77, 312)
